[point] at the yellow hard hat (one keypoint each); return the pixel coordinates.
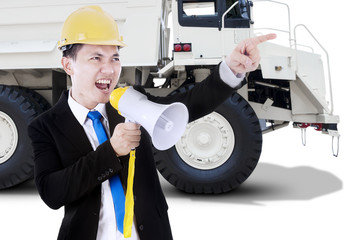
(90, 25)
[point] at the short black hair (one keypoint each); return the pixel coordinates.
(72, 50)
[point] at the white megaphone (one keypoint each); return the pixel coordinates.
(164, 123)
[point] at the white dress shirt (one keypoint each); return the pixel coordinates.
(229, 77)
(107, 228)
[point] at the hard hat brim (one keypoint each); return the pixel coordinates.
(120, 44)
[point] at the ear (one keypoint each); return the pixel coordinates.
(66, 62)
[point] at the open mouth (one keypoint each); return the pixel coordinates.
(103, 84)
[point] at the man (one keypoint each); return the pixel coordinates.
(72, 168)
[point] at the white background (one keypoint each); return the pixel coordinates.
(295, 192)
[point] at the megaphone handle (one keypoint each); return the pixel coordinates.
(127, 120)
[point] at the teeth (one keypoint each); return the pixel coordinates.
(103, 81)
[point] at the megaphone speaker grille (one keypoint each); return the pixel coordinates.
(170, 126)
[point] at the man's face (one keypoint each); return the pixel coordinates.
(94, 74)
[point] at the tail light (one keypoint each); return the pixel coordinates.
(182, 47)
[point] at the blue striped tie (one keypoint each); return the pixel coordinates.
(117, 190)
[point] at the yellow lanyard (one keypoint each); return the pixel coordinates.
(129, 199)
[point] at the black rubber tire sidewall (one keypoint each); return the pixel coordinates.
(21, 109)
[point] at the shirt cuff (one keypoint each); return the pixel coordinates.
(229, 77)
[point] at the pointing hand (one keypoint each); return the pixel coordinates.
(245, 57)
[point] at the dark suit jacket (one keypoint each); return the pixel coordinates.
(69, 173)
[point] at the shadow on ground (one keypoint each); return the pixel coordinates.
(271, 182)
(25, 188)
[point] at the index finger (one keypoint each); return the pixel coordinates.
(263, 38)
(132, 126)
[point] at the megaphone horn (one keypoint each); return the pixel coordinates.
(164, 123)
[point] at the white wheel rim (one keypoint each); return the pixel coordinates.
(8, 137)
(207, 142)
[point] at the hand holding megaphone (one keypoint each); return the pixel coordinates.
(164, 123)
(126, 137)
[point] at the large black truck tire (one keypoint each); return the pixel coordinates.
(18, 106)
(217, 152)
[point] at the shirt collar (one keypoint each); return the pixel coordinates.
(80, 112)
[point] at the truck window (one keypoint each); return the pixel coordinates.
(238, 16)
(235, 11)
(208, 13)
(198, 13)
(196, 9)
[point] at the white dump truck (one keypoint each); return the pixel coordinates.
(217, 152)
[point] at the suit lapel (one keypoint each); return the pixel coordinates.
(63, 117)
(68, 125)
(114, 117)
